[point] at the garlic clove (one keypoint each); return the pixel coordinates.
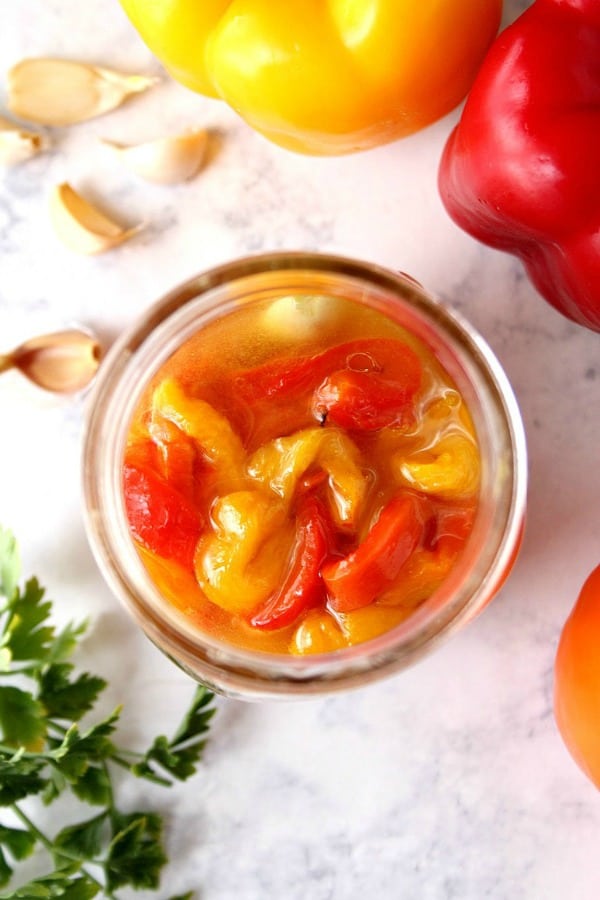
(82, 227)
(64, 92)
(167, 160)
(17, 144)
(298, 317)
(62, 362)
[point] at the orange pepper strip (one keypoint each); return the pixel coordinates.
(359, 578)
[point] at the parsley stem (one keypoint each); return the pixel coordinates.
(23, 670)
(151, 776)
(9, 752)
(54, 850)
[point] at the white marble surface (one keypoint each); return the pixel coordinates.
(446, 781)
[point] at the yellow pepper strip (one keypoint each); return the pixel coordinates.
(280, 464)
(370, 621)
(241, 562)
(217, 441)
(317, 633)
(324, 76)
(320, 632)
(448, 469)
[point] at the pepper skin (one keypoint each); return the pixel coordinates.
(521, 172)
(324, 76)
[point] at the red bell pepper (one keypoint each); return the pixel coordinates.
(364, 401)
(363, 575)
(303, 586)
(521, 172)
(160, 518)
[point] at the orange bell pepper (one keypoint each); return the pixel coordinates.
(324, 77)
(577, 680)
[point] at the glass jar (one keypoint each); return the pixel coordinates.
(480, 570)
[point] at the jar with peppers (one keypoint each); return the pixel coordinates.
(300, 472)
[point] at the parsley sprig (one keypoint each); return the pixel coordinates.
(46, 752)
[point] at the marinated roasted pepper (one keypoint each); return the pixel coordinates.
(302, 501)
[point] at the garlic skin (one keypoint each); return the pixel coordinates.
(81, 226)
(64, 92)
(167, 160)
(17, 144)
(62, 362)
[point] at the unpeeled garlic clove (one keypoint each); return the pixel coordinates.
(82, 227)
(62, 362)
(17, 144)
(63, 92)
(167, 160)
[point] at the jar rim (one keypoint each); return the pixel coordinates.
(475, 578)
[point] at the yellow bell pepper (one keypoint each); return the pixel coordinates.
(324, 76)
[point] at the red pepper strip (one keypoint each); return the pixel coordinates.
(363, 400)
(169, 454)
(281, 377)
(303, 586)
(359, 578)
(160, 517)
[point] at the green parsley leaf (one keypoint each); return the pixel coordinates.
(56, 886)
(83, 840)
(65, 641)
(93, 744)
(10, 564)
(18, 842)
(20, 777)
(93, 786)
(5, 870)
(136, 855)
(180, 755)
(22, 719)
(46, 752)
(64, 698)
(29, 638)
(196, 721)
